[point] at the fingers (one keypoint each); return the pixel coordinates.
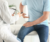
(24, 15)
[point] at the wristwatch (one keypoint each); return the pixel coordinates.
(21, 12)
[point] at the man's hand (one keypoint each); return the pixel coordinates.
(19, 14)
(24, 15)
(28, 24)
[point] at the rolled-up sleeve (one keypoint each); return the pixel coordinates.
(47, 5)
(24, 2)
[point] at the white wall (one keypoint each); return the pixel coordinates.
(15, 2)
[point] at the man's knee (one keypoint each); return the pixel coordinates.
(22, 33)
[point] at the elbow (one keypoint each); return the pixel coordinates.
(21, 4)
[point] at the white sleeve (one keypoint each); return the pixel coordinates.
(5, 13)
(16, 17)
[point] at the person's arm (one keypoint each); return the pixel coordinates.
(46, 12)
(42, 18)
(21, 11)
(5, 12)
(21, 7)
(39, 20)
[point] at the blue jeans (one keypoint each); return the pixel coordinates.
(42, 31)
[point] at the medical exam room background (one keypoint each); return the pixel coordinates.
(15, 28)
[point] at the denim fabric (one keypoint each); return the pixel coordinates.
(42, 31)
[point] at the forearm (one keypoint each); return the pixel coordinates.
(21, 7)
(41, 19)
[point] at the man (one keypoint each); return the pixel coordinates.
(38, 12)
(5, 20)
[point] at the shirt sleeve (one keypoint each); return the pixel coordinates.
(5, 13)
(47, 5)
(24, 2)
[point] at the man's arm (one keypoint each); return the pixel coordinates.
(42, 18)
(39, 20)
(21, 7)
(21, 11)
(46, 12)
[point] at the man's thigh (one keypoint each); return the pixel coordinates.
(25, 30)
